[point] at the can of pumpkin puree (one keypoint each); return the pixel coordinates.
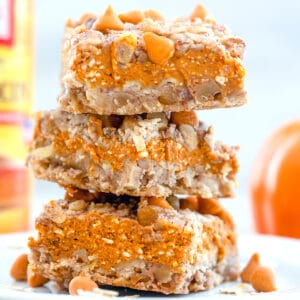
(16, 78)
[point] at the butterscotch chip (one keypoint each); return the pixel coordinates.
(133, 16)
(18, 270)
(153, 14)
(263, 280)
(34, 279)
(109, 243)
(250, 268)
(159, 49)
(199, 12)
(145, 156)
(86, 17)
(212, 206)
(109, 20)
(81, 283)
(191, 202)
(146, 215)
(159, 201)
(185, 117)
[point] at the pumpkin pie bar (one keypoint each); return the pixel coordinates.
(135, 242)
(157, 154)
(135, 62)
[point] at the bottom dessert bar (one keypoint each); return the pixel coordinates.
(148, 244)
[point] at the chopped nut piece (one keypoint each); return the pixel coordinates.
(174, 202)
(263, 280)
(78, 205)
(191, 202)
(199, 12)
(133, 16)
(250, 268)
(208, 90)
(163, 274)
(43, 152)
(34, 279)
(159, 201)
(140, 145)
(18, 270)
(55, 212)
(109, 20)
(159, 48)
(162, 116)
(189, 135)
(185, 117)
(123, 48)
(153, 14)
(129, 122)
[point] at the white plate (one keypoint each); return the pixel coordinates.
(282, 254)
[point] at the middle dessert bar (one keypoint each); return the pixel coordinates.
(144, 155)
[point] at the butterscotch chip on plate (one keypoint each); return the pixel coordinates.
(142, 155)
(176, 65)
(109, 241)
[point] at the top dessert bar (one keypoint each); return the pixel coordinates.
(137, 62)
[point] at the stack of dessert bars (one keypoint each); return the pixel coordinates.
(142, 175)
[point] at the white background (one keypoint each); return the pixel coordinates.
(271, 30)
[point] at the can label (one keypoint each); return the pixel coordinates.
(15, 76)
(6, 22)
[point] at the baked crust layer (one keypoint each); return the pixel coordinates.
(127, 242)
(145, 155)
(113, 72)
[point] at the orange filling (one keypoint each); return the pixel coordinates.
(116, 152)
(113, 241)
(97, 67)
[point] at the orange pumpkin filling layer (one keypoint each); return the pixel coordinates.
(97, 66)
(168, 150)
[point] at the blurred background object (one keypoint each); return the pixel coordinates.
(16, 53)
(270, 28)
(275, 183)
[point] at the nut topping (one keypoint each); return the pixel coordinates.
(123, 49)
(109, 20)
(208, 90)
(133, 16)
(159, 48)
(189, 135)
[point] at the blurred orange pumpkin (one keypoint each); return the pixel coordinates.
(275, 183)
